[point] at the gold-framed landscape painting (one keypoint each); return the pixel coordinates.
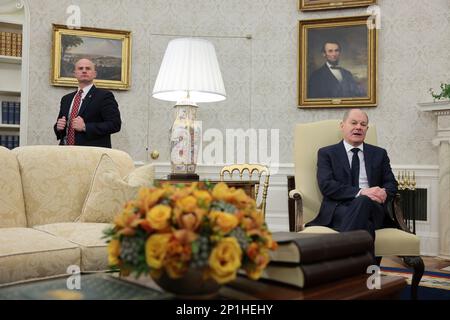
(337, 63)
(110, 50)
(312, 5)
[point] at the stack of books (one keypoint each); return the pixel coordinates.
(306, 259)
(10, 44)
(10, 112)
(9, 141)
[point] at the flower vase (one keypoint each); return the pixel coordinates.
(192, 286)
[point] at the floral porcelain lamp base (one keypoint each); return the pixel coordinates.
(185, 140)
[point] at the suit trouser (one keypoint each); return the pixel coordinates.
(361, 213)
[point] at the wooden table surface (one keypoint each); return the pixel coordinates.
(346, 289)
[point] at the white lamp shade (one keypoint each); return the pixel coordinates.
(189, 66)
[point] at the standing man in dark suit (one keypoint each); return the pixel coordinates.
(88, 116)
(355, 179)
(331, 80)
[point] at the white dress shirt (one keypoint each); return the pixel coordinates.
(336, 72)
(83, 95)
(363, 181)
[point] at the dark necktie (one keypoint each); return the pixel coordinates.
(73, 115)
(355, 168)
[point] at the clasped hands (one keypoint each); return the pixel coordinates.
(375, 193)
(77, 124)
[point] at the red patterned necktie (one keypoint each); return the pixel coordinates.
(73, 114)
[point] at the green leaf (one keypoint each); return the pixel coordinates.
(444, 94)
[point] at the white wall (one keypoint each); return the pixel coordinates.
(260, 74)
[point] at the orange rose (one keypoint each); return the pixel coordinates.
(150, 196)
(178, 254)
(127, 221)
(259, 257)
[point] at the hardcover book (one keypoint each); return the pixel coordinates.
(307, 248)
(308, 275)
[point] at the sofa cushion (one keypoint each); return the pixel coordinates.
(88, 236)
(27, 254)
(56, 179)
(12, 209)
(109, 191)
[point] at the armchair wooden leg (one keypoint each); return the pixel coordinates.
(378, 260)
(416, 263)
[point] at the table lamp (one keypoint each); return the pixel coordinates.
(189, 74)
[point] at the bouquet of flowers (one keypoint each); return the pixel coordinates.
(175, 228)
(444, 94)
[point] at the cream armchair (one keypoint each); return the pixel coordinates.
(309, 138)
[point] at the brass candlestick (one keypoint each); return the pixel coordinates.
(405, 181)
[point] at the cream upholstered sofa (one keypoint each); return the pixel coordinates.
(48, 199)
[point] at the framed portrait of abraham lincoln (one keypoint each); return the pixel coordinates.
(313, 5)
(337, 63)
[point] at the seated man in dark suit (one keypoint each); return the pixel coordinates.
(355, 179)
(331, 80)
(88, 116)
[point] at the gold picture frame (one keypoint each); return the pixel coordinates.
(337, 62)
(110, 50)
(313, 5)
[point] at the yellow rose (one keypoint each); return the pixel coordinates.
(240, 196)
(224, 221)
(113, 252)
(225, 260)
(204, 198)
(159, 216)
(156, 249)
(187, 204)
(221, 191)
